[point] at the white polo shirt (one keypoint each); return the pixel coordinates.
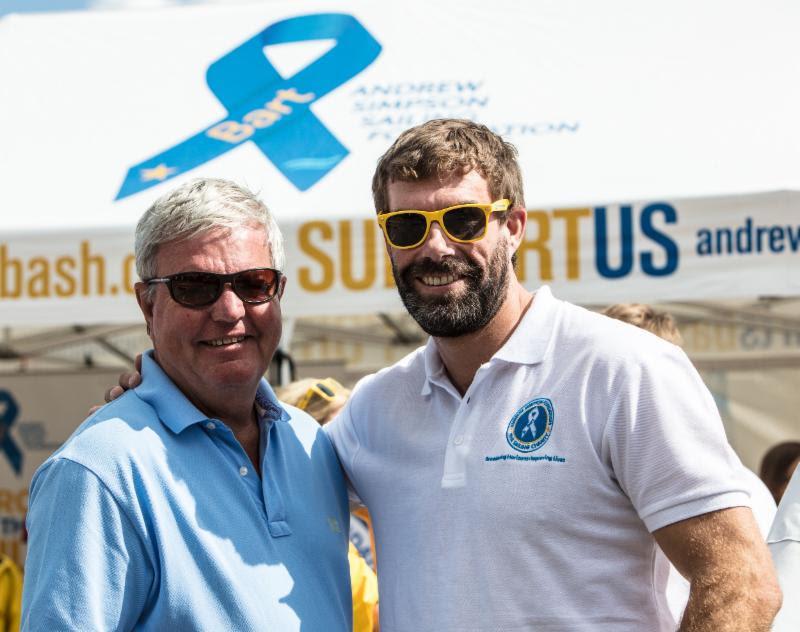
(528, 503)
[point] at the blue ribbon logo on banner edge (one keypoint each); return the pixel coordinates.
(8, 446)
(268, 109)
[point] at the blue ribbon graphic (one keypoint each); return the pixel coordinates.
(268, 109)
(9, 408)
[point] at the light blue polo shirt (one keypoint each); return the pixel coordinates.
(151, 517)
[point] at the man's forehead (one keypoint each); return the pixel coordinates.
(238, 248)
(218, 234)
(434, 193)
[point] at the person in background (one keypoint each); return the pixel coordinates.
(778, 465)
(323, 399)
(663, 325)
(660, 323)
(320, 398)
(784, 545)
(10, 594)
(195, 501)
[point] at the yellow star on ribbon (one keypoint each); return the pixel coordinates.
(160, 173)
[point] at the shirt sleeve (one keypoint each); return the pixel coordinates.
(87, 568)
(667, 444)
(345, 441)
(786, 525)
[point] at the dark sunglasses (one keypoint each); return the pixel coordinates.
(463, 223)
(198, 289)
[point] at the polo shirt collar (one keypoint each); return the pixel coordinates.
(530, 341)
(434, 367)
(175, 410)
(528, 344)
(268, 405)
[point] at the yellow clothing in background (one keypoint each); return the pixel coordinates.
(365, 591)
(10, 594)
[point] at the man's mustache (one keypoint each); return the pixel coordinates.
(449, 266)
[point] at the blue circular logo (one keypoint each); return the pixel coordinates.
(530, 427)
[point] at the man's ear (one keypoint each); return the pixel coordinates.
(145, 303)
(516, 220)
(281, 287)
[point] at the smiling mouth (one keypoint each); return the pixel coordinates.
(436, 280)
(223, 342)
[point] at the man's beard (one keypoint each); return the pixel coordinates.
(456, 313)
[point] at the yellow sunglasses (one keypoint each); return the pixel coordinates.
(326, 389)
(463, 223)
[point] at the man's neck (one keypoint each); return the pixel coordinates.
(462, 356)
(238, 412)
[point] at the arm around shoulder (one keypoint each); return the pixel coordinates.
(87, 568)
(733, 582)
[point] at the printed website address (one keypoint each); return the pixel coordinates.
(86, 273)
(520, 457)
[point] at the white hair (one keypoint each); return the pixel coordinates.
(200, 206)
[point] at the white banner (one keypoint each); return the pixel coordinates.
(649, 146)
(703, 249)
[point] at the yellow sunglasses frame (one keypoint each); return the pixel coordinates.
(315, 390)
(498, 206)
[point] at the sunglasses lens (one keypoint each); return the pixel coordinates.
(406, 229)
(195, 289)
(325, 389)
(465, 222)
(256, 286)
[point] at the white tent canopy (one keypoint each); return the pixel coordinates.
(659, 144)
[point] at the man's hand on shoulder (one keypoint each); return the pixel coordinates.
(733, 582)
(127, 381)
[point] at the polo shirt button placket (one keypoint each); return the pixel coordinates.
(458, 449)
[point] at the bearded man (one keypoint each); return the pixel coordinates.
(484, 521)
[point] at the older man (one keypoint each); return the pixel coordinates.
(195, 501)
(520, 468)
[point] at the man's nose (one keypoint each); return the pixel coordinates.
(228, 307)
(436, 244)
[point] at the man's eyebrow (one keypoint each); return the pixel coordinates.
(394, 210)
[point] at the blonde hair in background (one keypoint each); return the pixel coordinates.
(662, 324)
(320, 408)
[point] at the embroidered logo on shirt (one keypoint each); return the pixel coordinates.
(333, 525)
(530, 427)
